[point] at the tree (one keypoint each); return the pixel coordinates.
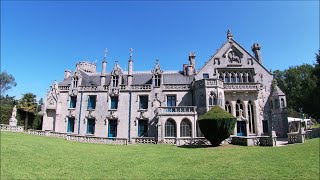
(28, 104)
(217, 125)
(6, 82)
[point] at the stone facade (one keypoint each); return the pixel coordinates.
(165, 105)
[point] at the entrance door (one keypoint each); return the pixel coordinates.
(112, 128)
(70, 125)
(241, 128)
(90, 126)
(143, 128)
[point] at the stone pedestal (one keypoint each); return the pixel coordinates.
(13, 121)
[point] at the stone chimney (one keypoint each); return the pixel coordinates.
(130, 68)
(191, 66)
(256, 50)
(67, 74)
(104, 69)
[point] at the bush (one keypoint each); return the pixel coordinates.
(5, 114)
(217, 125)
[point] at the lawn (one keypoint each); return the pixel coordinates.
(34, 157)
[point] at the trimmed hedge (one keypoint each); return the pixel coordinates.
(217, 125)
(5, 114)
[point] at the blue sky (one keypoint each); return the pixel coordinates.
(39, 40)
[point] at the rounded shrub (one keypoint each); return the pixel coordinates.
(217, 125)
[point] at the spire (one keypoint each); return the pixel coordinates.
(131, 50)
(105, 54)
(229, 34)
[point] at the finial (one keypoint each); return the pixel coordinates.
(105, 52)
(229, 34)
(116, 61)
(157, 61)
(131, 50)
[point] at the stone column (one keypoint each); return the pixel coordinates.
(233, 112)
(257, 117)
(178, 129)
(246, 115)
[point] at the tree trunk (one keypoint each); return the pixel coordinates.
(26, 121)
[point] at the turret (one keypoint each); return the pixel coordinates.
(256, 50)
(104, 67)
(130, 68)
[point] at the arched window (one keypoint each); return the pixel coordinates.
(282, 103)
(238, 107)
(244, 77)
(170, 128)
(115, 81)
(250, 78)
(233, 78)
(226, 78)
(271, 104)
(212, 99)
(251, 117)
(185, 128)
(227, 107)
(238, 77)
(221, 76)
(157, 80)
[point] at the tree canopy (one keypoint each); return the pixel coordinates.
(6, 82)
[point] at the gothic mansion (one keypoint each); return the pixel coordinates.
(166, 105)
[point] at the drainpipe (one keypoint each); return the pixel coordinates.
(80, 113)
(129, 125)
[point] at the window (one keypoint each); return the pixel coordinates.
(226, 79)
(227, 107)
(238, 78)
(170, 128)
(241, 128)
(244, 77)
(70, 128)
(157, 80)
(282, 105)
(92, 102)
(112, 128)
(212, 99)
(115, 81)
(238, 107)
(233, 78)
(114, 102)
(265, 126)
(185, 128)
(221, 76)
(75, 82)
(251, 118)
(205, 76)
(171, 100)
(143, 102)
(143, 128)
(250, 78)
(73, 101)
(90, 126)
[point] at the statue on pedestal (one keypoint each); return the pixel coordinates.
(13, 121)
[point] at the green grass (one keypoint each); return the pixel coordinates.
(34, 157)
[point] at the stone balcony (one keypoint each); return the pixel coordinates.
(241, 86)
(177, 110)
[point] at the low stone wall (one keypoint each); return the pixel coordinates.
(98, 140)
(47, 133)
(254, 140)
(6, 127)
(192, 141)
(296, 137)
(313, 133)
(169, 141)
(145, 140)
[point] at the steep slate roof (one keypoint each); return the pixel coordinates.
(176, 78)
(142, 78)
(277, 91)
(65, 82)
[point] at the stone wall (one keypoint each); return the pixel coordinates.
(5, 127)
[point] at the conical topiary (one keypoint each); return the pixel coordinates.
(217, 125)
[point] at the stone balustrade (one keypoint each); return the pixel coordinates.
(188, 110)
(47, 133)
(173, 87)
(169, 140)
(241, 86)
(145, 140)
(192, 141)
(6, 127)
(296, 137)
(64, 88)
(254, 140)
(97, 140)
(140, 87)
(213, 83)
(312, 133)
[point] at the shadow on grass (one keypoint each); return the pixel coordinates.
(198, 146)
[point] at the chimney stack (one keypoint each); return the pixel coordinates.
(256, 50)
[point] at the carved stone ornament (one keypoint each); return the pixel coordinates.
(142, 115)
(73, 92)
(233, 57)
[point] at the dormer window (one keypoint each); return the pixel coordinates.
(157, 80)
(115, 81)
(75, 82)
